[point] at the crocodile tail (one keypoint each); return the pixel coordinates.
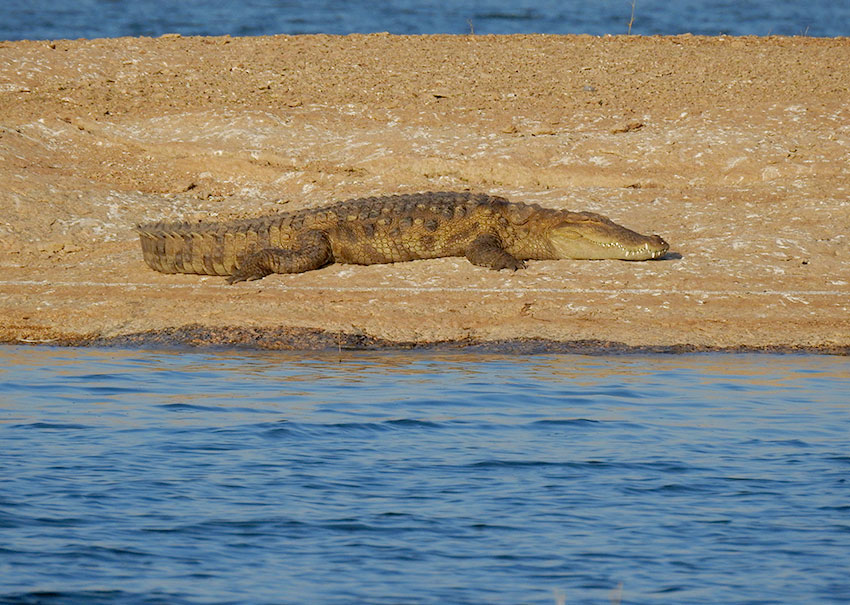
(190, 248)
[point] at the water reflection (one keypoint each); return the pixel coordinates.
(273, 381)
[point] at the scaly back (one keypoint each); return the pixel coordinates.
(210, 248)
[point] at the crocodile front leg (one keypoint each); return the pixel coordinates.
(487, 251)
(313, 251)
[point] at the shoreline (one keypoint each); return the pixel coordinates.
(193, 337)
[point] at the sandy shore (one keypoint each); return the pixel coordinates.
(735, 150)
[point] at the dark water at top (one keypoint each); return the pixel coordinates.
(186, 477)
(49, 19)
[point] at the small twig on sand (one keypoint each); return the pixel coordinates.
(632, 20)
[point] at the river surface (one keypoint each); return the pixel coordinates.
(184, 476)
(49, 19)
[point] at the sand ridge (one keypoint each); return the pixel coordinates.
(736, 150)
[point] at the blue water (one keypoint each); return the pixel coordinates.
(51, 19)
(131, 476)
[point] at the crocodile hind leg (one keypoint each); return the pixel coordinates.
(313, 251)
(487, 251)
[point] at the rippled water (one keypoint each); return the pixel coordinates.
(199, 477)
(48, 19)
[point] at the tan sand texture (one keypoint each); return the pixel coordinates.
(735, 150)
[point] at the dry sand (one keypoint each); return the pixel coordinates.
(735, 150)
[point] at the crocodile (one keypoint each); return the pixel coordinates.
(490, 231)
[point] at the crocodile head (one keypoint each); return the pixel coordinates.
(586, 235)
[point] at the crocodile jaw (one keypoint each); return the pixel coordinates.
(606, 241)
